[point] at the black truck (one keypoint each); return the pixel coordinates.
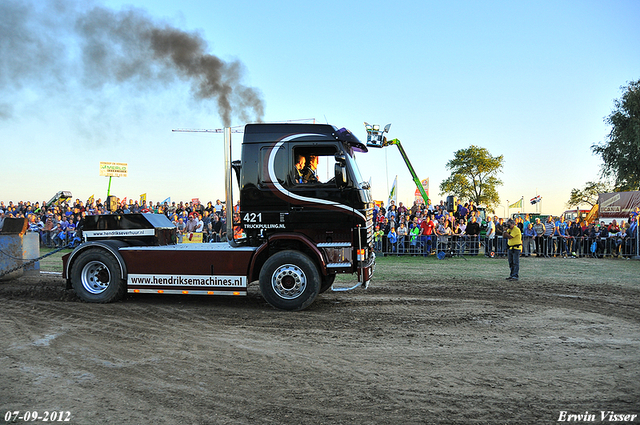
(292, 234)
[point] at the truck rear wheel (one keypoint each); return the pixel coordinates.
(96, 277)
(289, 280)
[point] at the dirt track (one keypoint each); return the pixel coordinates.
(407, 352)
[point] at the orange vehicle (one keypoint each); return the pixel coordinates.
(571, 215)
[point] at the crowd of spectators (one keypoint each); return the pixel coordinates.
(428, 230)
(57, 224)
(418, 230)
(559, 238)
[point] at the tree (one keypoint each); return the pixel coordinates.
(588, 195)
(474, 176)
(621, 151)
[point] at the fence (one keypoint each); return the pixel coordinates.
(540, 246)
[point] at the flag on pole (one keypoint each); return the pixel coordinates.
(393, 195)
(517, 204)
(91, 199)
(167, 201)
(143, 198)
(536, 199)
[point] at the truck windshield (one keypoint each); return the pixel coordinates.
(354, 167)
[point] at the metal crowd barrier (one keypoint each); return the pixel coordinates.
(541, 246)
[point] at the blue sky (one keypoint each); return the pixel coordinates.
(528, 80)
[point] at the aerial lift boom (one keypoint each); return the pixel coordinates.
(376, 139)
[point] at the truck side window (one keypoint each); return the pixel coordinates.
(313, 165)
(280, 164)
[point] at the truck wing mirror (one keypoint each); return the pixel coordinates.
(340, 169)
(340, 174)
(237, 166)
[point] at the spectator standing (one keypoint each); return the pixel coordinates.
(539, 228)
(59, 236)
(414, 234)
(473, 231)
(180, 229)
(427, 227)
(70, 230)
(500, 240)
(457, 238)
(443, 232)
(191, 224)
(402, 210)
(514, 244)
(402, 237)
(630, 235)
(392, 214)
(561, 233)
(549, 230)
(603, 239)
(377, 239)
(49, 227)
(36, 226)
(614, 237)
(575, 237)
(490, 236)
(386, 227)
(526, 221)
(529, 235)
(199, 224)
(216, 229)
(392, 239)
(206, 220)
(414, 209)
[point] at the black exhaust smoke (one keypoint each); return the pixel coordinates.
(53, 40)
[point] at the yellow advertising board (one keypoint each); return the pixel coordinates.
(113, 169)
(192, 238)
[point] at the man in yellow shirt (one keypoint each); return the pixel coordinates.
(514, 243)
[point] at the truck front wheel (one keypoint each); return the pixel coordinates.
(289, 280)
(327, 282)
(96, 277)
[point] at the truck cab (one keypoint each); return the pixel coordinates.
(274, 200)
(329, 217)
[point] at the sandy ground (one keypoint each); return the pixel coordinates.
(398, 353)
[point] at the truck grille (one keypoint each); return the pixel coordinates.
(369, 227)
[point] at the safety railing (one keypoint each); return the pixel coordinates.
(540, 246)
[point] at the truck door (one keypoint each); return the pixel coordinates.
(318, 206)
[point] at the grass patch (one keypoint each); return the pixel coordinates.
(568, 270)
(52, 263)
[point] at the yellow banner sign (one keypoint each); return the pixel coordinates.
(113, 169)
(192, 238)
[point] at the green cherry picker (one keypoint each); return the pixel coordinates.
(376, 139)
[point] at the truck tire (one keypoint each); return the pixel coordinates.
(289, 280)
(327, 282)
(96, 277)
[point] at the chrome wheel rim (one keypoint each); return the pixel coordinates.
(289, 281)
(95, 277)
